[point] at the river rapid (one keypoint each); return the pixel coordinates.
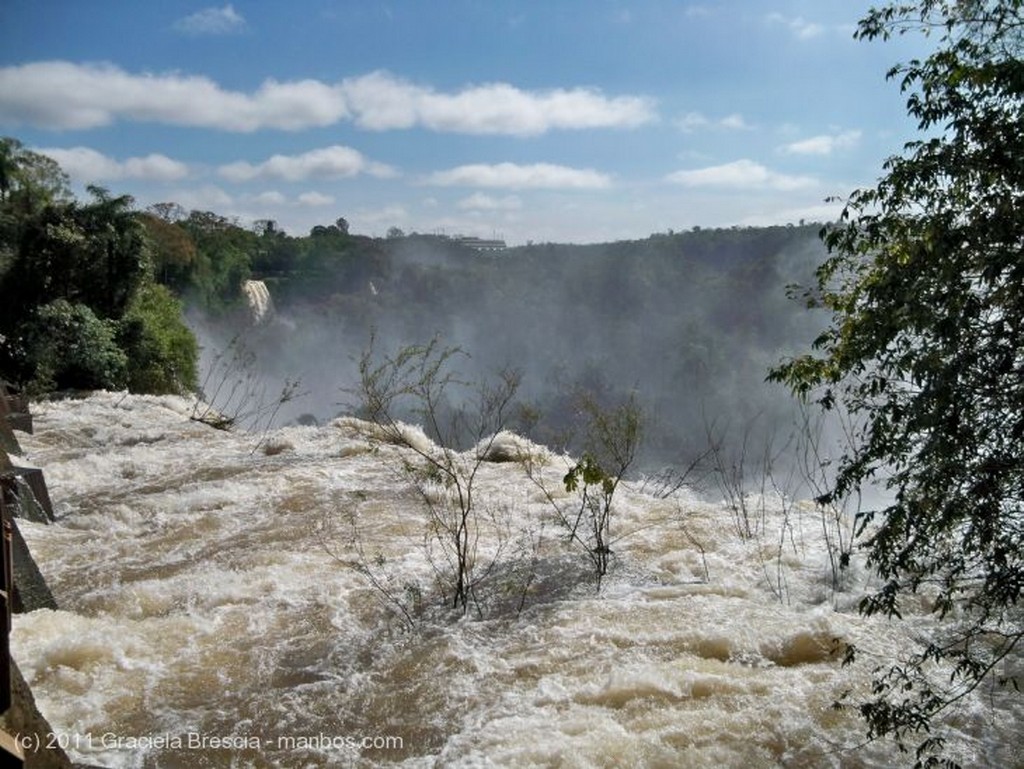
(216, 611)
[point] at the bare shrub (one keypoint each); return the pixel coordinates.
(420, 382)
(234, 394)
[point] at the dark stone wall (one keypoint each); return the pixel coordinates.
(29, 592)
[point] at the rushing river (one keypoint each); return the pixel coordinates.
(211, 616)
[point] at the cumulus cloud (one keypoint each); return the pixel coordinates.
(741, 175)
(382, 101)
(212, 21)
(64, 95)
(513, 176)
(333, 162)
(87, 165)
(825, 144)
(481, 202)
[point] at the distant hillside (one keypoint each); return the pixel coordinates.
(689, 321)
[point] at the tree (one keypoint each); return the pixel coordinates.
(93, 254)
(223, 258)
(115, 251)
(71, 348)
(172, 251)
(162, 349)
(168, 211)
(29, 180)
(925, 281)
(76, 294)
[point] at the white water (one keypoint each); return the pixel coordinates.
(199, 603)
(261, 306)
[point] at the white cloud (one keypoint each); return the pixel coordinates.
(87, 165)
(314, 199)
(212, 21)
(800, 27)
(270, 198)
(333, 162)
(381, 101)
(63, 95)
(206, 198)
(692, 121)
(695, 121)
(741, 175)
(513, 176)
(825, 144)
(277, 200)
(735, 122)
(481, 202)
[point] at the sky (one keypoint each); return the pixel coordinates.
(562, 121)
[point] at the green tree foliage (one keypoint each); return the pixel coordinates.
(113, 262)
(28, 183)
(76, 292)
(69, 347)
(162, 349)
(925, 281)
(223, 258)
(172, 251)
(91, 254)
(29, 180)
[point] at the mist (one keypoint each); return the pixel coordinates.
(688, 323)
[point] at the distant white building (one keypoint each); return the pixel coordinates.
(479, 243)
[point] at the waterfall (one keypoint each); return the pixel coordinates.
(261, 306)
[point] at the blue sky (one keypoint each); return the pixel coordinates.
(575, 121)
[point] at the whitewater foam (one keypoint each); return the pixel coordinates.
(207, 587)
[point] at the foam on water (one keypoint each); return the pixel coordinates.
(206, 588)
